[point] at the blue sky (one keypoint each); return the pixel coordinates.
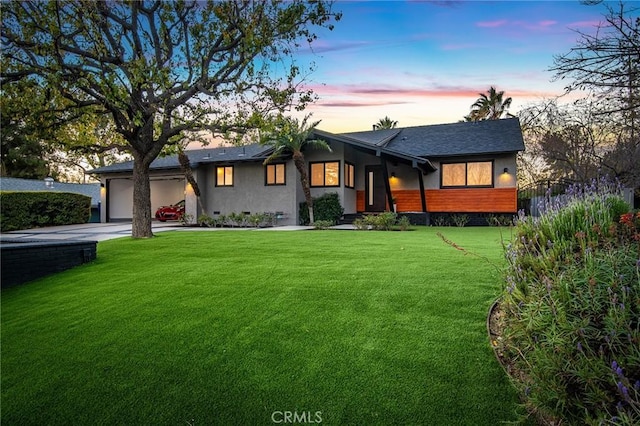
(425, 62)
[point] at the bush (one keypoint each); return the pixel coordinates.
(206, 221)
(323, 224)
(325, 207)
(25, 210)
(572, 309)
(460, 220)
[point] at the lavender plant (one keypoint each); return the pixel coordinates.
(572, 308)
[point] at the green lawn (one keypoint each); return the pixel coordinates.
(358, 328)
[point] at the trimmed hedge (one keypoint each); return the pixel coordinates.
(325, 207)
(33, 209)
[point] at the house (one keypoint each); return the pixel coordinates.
(465, 167)
(89, 189)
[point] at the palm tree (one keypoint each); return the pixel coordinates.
(490, 106)
(385, 123)
(290, 136)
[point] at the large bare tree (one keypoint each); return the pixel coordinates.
(160, 69)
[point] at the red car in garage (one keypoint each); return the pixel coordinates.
(172, 212)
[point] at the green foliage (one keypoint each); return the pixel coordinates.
(404, 224)
(386, 221)
(323, 224)
(325, 207)
(460, 220)
(25, 210)
(206, 221)
(572, 309)
(500, 219)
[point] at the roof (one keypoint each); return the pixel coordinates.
(455, 139)
(89, 189)
(228, 154)
(413, 144)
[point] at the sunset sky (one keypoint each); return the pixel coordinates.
(425, 62)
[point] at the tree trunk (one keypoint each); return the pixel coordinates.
(185, 166)
(141, 224)
(298, 160)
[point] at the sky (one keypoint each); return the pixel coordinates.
(424, 62)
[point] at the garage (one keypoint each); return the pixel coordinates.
(165, 190)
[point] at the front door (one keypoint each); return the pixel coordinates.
(374, 194)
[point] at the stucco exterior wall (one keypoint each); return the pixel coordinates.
(249, 192)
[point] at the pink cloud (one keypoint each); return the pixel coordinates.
(354, 95)
(492, 24)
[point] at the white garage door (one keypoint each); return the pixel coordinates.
(164, 191)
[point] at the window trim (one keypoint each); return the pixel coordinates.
(466, 185)
(275, 174)
(349, 176)
(324, 163)
(233, 176)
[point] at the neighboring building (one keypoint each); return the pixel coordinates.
(466, 167)
(89, 189)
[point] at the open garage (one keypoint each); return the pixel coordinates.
(165, 190)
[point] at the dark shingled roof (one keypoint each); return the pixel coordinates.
(413, 143)
(15, 184)
(228, 154)
(455, 139)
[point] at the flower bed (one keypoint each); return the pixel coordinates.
(570, 320)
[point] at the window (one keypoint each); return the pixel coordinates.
(479, 173)
(275, 174)
(349, 175)
(325, 174)
(224, 176)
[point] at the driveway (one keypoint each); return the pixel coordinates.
(108, 231)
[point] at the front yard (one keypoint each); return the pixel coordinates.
(243, 327)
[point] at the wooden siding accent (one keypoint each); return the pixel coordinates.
(408, 200)
(360, 201)
(463, 200)
(473, 200)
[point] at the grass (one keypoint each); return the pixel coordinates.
(230, 327)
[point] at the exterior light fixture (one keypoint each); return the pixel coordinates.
(393, 175)
(506, 170)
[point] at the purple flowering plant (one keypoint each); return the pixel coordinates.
(572, 307)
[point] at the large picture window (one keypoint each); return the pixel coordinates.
(275, 174)
(349, 175)
(224, 176)
(325, 174)
(476, 173)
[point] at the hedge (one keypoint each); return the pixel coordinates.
(33, 209)
(325, 207)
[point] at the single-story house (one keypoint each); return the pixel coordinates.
(89, 189)
(457, 168)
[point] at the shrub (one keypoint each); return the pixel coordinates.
(460, 220)
(572, 309)
(25, 210)
(325, 207)
(404, 224)
(206, 221)
(323, 224)
(440, 220)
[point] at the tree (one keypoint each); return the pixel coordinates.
(288, 136)
(607, 63)
(160, 69)
(490, 106)
(385, 123)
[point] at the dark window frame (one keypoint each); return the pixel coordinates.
(324, 174)
(349, 176)
(466, 184)
(275, 174)
(233, 176)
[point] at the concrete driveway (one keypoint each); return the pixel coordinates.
(108, 231)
